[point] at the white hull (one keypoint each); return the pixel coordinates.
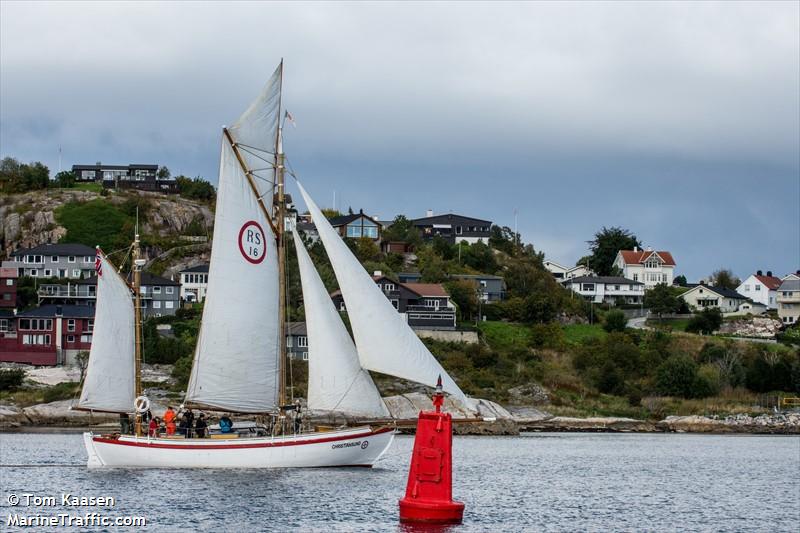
(360, 446)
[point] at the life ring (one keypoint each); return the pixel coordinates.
(142, 404)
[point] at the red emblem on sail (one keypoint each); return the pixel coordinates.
(253, 242)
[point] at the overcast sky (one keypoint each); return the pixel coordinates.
(679, 121)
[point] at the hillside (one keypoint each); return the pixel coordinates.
(108, 219)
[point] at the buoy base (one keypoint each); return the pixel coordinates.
(431, 512)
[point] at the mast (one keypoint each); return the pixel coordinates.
(280, 225)
(138, 262)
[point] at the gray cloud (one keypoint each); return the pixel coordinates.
(662, 117)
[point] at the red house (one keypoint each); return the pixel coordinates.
(48, 335)
(8, 288)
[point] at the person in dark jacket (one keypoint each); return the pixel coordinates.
(188, 419)
(201, 427)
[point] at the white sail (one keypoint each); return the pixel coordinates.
(384, 340)
(256, 134)
(109, 384)
(236, 360)
(336, 381)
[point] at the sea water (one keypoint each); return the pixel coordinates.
(535, 482)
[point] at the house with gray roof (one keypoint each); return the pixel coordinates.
(708, 297)
(65, 261)
(789, 301)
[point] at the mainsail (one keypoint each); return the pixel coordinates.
(109, 383)
(236, 360)
(336, 381)
(385, 342)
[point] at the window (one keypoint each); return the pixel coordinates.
(459, 230)
(156, 304)
(7, 297)
(289, 341)
(76, 273)
(9, 282)
(169, 290)
(354, 231)
(48, 273)
(36, 339)
(87, 259)
(70, 339)
(747, 288)
(169, 304)
(302, 341)
(372, 233)
(36, 324)
(636, 277)
(388, 287)
(71, 324)
(616, 287)
(305, 356)
(3, 324)
(432, 302)
(588, 287)
(90, 325)
(341, 306)
(156, 290)
(71, 259)
(395, 303)
(758, 287)
(86, 339)
(33, 273)
(143, 289)
(54, 259)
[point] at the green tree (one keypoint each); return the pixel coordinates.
(615, 321)
(196, 188)
(20, 177)
(725, 279)
(662, 300)
(163, 173)
(64, 179)
(11, 378)
(604, 247)
(680, 281)
(707, 321)
(464, 295)
(330, 213)
(676, 376)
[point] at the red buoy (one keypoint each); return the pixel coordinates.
(429, 492)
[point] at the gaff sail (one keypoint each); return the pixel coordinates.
(336, 381)
(110, 374)
(384, 340)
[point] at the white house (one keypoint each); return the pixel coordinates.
(761, 289)
(648, 266)
(789, 301)
(705, 297)
(607, 289)
(194, 283)
(561, 272)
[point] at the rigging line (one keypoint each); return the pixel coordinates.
(257, 156)
(348, 389)
(255, 148)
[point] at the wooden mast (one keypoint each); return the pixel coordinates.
(281, 227)
(137, 309)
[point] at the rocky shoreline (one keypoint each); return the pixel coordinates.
(497, 420)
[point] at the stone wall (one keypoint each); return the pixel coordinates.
(470, 337)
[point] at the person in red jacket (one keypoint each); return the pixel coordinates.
(153, 427)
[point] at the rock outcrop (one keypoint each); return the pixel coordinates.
(755, 327)
(779, 423)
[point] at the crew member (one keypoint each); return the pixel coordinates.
(169, 420)
(200, 427)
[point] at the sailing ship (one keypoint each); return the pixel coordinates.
(240, 359)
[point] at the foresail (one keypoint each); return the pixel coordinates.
(336, 381)
(236, 360)
(110, 381)
(256, 134)
(384, 340)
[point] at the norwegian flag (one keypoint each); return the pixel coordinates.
(98, 264)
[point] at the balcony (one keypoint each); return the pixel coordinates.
(791, 297)
(67, 291)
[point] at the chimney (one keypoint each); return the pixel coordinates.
(59, 310)
(759, 273)
(377, 273)
(635, 248)
(429, 213)
(769, 273)
(649, 248)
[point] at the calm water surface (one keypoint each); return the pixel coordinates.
(537, 482)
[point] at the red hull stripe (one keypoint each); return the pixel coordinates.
(237, 446)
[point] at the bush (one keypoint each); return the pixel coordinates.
(615, 321)
(11, 378)
(181, 371)
(707, 382)
(61, 391)
(676, 376)
(707, 321)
